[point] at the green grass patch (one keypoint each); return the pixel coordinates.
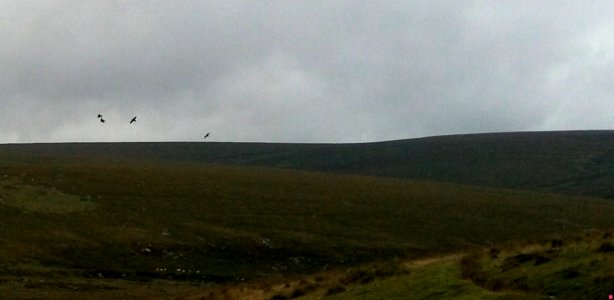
(438, 280)
(578, 269)
(42, 199)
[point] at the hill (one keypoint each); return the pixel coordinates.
(105, 228)
(148, 220)
(572, 162)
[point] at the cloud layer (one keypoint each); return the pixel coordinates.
(310, 71)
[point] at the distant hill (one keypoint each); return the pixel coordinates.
(573, 162)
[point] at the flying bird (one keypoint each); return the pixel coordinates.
(133, 120)
(207, 135)
(101, 120)
(99, 116)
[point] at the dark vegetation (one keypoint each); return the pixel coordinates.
(573, 162)
(232, 224)
(103, 218)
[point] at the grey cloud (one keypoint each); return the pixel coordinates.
(311, 71)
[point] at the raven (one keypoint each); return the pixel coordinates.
(133, 120)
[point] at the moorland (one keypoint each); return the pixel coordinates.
(493, 216)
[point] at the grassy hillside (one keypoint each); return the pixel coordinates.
(99, 226)
(147, 220)
(573, 267)
(574, 162)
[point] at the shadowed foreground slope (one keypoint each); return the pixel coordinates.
(80, 225)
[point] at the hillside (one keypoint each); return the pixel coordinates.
(83, 229)
(573, 162)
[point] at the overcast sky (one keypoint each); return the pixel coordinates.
(301, 71)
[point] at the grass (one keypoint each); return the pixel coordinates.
(82, 227)
(576, 270)
(438, 280)
(571, 162)
(29, 198)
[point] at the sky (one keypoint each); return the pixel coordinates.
(312, 71)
